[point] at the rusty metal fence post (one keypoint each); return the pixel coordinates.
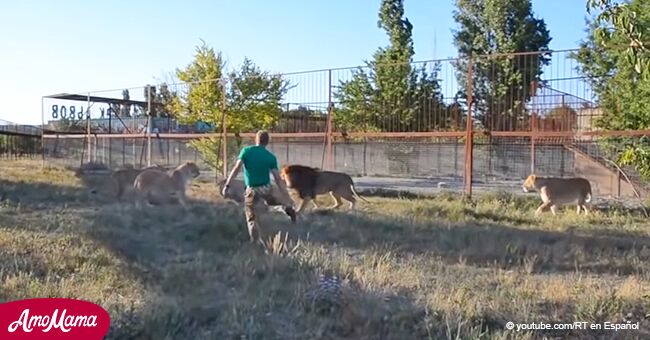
(88, 132)
(469, 133)
(149, 127)
(223, 128)
(328, 159)
(533, 132)
(43, 145)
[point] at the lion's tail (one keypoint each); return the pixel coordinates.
(356, 194)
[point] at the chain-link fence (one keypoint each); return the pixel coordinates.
(116, 152)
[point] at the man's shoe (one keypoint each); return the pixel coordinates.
(292, 213)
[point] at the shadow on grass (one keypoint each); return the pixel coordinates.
(35, 195)
(206, 281)
(488, 215)
(483, 244)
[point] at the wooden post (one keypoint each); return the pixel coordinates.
(469, 135)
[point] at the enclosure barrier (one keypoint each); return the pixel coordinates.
(19, 141)
(499, 161)
(530, 112)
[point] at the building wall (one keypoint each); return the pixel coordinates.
(587, 119)
(502, 163)
(604, 181)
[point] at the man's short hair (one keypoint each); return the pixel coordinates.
(262, 137)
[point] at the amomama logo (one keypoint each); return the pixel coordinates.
(53, 318)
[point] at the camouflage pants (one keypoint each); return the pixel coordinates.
(264, 193)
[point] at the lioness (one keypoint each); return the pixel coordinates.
(559, 191)
(124, 178)
(309, 182)
(152, 183)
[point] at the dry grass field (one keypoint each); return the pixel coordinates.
(416, 268)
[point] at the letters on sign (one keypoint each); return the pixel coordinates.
(72, 112)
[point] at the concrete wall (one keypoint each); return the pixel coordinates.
(397, 159)
(445, 161)
(604, 181)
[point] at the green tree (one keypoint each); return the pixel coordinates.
(254, 98)
(389, 94)
(203, 98)
(621, 90)
(501, 84)
(623, 19)
(249, 98)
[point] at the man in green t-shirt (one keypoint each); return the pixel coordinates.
(258, 162)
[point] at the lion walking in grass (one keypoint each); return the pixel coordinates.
(162, 186)
(556, 192)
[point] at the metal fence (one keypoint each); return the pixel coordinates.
(19, 141)
(530, 113)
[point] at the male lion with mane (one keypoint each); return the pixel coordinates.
(161, 185)
(556, 191)
(309, 182)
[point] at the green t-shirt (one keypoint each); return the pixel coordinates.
(258, 162)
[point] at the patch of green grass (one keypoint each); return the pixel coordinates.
(416, 268)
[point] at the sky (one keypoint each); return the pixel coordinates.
(49, 47)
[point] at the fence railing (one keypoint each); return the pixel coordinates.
(507, 93)
(529, 112)
(19, 141)
(497, 163)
